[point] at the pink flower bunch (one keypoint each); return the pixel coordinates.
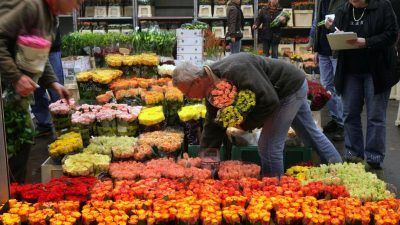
(34, 42)
(85, 118)
(237, 169)
(62, 106)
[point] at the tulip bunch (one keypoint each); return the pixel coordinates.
(103, 76)
(102, 190)
(102, 213)
(167, 141)
(297, 171)
(20, 209)
(211, 213)
(10, 219)
(237, 170)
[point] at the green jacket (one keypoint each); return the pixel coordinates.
(270, 79)
(334, 5)
(27, 17)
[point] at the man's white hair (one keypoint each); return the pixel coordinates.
(186, 72)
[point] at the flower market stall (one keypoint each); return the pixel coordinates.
(124, 151)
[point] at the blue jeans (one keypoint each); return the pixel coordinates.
(359, 89)
(267, 44)
(41, 107)
(293, 111)
(327, 67)
(235, 47)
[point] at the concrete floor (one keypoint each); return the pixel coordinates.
(391, 164)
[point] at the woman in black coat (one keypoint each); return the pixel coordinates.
(366, 74)
(270, 36)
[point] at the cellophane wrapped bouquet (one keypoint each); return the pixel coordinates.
(317, 95)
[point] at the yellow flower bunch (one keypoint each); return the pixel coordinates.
(65, 144)
(173, 94)
(298, 171)
(10, 219)
(153, 97)
(85, 76)
(85, 164)
(103, 76)
(211, 214)
(188, 210)
(229, 117)
(149, 60)
(106, 76)
(131, 60)
(114, 60)
(151, 116)
(22, 209)
(246, 100)
(192, 112)
(100, 212)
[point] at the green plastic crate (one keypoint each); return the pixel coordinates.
(193, 151)
(292, 155)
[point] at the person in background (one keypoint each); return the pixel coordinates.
(235, 23)
(270, 36)
(29, 17)
(366, 74)
(41, 106)
(281, 101)
(327, 65)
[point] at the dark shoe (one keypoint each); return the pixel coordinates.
(374, 166)
(376, 169)
(330, 127)
(45, 132)
(354, 159)
(338, 135)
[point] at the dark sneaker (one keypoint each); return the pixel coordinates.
(338, 135)
(376, 169)
(354, 159)
(330, 127)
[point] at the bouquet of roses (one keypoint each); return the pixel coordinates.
(233, 106)
(317, 95)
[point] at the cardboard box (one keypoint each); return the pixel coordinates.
(247, 10)
(205, 11)
(146, 11)
(219, 11)
(247, 32)
(128, 11)
(114, 11)
(190, 49)
(303, 18)
(285, 47)
(100, 11)
(183, 33)
(301, 48)
(198, 41)
(50, 169)
(219, 32)
(73, 65)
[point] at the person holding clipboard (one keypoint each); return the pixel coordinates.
(366, 73)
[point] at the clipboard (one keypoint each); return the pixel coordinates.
(338, 41)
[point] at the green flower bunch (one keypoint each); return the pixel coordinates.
(245, 101)
(229, 117)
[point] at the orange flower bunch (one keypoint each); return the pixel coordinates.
(122, 84)
(355, 212)
(211, 213)
(127, 93)
(102, 190)
(141, 216)
(65, 218)
(102, 213)
(39, 217)
(386, 212)
(173, 94)
(259, 210)
(164, 210)
(288, 210)
(21, 209)
(235, 200)
(105, 98)
(165, 81)
(236, 170)
(153, 97)
(333, 212)
(234, 214)
(223, 94)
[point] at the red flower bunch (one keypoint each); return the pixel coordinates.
(223, 94)
(317, 95)
(63, 188)
(322, 191)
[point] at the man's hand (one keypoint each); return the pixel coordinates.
(328, 23)
(282, 19)
(359, 42)
(64, 93)
(233, 39)
(316, 58)
(25, 86)
(254, 27)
